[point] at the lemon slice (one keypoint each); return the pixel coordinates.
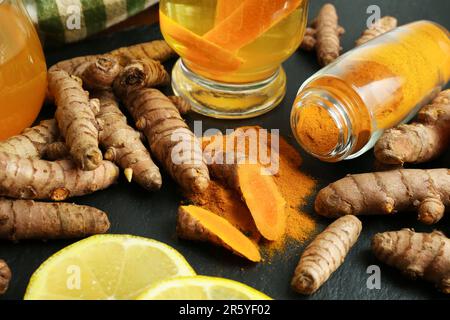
(201, 288)
(106, 267)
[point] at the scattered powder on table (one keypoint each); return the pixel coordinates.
(295, 186)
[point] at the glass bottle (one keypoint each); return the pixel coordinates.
(341, 111)
(23, 72)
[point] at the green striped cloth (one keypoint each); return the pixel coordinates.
(63, 21)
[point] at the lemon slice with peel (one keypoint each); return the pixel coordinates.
(201, 288)
(106, 267)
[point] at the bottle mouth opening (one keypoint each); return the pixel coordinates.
(322, 126)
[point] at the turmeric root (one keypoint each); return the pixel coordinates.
(325, 254)
(143, 74)
(123, 144)
(427, 191)
(183, 106)
(5, 277)
(309, 39)
(75, 66)
(417, 255)
(195, 223)
(170, 139)
(254, 184)
(76, 119)
(156, 50)
(100, 74)
(33, 142)
(421, 141)
(96, 72)
(324, 35)
(26, 219)
(22, 178)
(381, 26)
(56, 151)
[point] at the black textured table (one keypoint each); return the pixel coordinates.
(134, 211)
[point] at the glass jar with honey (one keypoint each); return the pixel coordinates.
(23, 75)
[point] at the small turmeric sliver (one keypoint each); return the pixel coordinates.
(196, 223)
(259, 192)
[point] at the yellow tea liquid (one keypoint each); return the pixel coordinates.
(234, 41)
(23, 77)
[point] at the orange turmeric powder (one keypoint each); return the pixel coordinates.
(372, 88)
(318, 131)
(294, 186)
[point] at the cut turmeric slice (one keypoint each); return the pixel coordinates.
(197, 50)
(195, 223)
(264, 201)
(259, 192)
(249, 21)
(225, 8)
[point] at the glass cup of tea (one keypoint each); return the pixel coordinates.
(231, 52)
(23, 72)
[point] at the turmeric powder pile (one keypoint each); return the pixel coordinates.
(294, 186)
(318, 132)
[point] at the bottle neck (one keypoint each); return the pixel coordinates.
(328, 127)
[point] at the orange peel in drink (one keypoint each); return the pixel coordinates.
(197, 50)
(249, 21)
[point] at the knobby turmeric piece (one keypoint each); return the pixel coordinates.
(417, 255)
(22, 178)
(170, 139)
(141, 74)
(427, 191)
(123, 144)
(33, 142)
(421, 141)
(309, 39)
(258, 190)
(324, 35)
(76, 119)
(381, 26)
(325, 254)
(183, 105)
(26, 219)
(56, 151)
(196, 223)
(101, 73)
(75, 66)
(5, 277)
(155, 50)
